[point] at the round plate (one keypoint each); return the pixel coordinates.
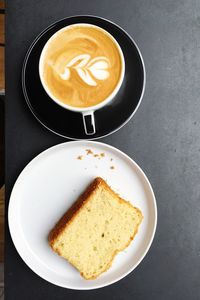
(49, 185)
(108, 119)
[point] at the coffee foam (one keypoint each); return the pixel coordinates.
(87, 68)
(81, 66)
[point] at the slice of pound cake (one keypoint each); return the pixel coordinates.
(97, 226)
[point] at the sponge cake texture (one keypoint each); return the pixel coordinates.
(95, 229)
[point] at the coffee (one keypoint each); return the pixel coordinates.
(81, 65)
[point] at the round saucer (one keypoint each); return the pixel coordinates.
(108, 119)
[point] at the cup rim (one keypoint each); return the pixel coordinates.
(105, 101)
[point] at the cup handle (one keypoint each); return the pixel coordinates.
(89, 122)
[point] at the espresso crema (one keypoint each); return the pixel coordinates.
(81, 65)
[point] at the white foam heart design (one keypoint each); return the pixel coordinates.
(88, 70)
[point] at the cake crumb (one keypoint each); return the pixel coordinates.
(111, 159)
(96, 155)
(89, 151)
(80, 157)
(112, 167)
(102, 154)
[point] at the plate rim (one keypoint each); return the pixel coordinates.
(11, 215)
(36, 39)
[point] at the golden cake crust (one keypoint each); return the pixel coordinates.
(73, 210)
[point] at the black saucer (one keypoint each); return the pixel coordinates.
(108, 119)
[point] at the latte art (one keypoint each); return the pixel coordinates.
(81, 65)
(88, 69)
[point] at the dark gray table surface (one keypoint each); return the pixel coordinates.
(163, 138)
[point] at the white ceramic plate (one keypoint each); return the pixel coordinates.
(49, 185)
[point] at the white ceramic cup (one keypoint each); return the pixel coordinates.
(87, 112)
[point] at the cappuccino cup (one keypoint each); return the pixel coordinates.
(82, 68)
